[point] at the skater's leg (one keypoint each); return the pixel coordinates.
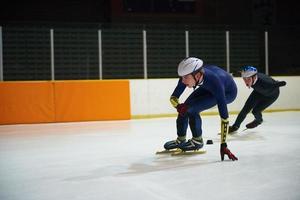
(262, 104)
(250, 103)
(196, 105)
(182, 125)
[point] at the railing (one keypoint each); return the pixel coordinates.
(32, 52)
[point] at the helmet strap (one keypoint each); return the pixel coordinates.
(253, 80)
(197, 82)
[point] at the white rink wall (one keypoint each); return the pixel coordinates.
(150, 97)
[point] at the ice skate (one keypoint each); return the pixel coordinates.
(232, 130)
(191, 145)
(171, 151)
(179, 152)
(253, 124)
(174, 144)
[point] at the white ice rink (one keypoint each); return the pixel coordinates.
(115, 160)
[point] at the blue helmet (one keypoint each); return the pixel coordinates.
(248, 71)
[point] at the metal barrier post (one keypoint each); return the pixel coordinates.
(227, 52)
(1, 55)
(100, 53)
(266, 53)
(52, 54)
(187, 53)
(145, 53)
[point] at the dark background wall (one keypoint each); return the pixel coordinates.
(26, 25)
(55, 11)
(267, 12)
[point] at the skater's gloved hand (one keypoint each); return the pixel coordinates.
(224, 150)
(182, 108)
(281, 83)
(174, 101)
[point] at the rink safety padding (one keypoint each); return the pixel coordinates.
(26, 102)
(92, 100)
(89, 100)
(64, 101)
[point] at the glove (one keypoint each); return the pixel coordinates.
(182, 108)
(174, 101)
(281, 83)
(224, 129)
(224, 150)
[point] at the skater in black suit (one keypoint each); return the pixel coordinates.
(265, 92)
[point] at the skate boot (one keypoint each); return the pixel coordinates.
(174, 144)
(232, 129)
(192, 144)
(253, 124)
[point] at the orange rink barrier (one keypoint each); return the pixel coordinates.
(26, 102)
(63, 101)
(92, 100)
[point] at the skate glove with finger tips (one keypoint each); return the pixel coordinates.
(232, 129)
(173, 144)
(192, 144)
(253, 124)
(182, 109)
(225, 151)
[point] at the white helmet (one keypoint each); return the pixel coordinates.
(189, 65)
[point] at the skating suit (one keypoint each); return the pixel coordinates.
(217, 88)
(265, 92)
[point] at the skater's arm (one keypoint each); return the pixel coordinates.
(266, 85)
(174, 99)
(217, 89)
(280, 83)
(178, 89)
(224, 129)
(223, 148)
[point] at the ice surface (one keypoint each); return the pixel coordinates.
(116, 160)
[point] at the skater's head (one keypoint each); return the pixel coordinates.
(191, 71)
(249, 75)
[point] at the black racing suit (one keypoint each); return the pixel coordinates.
(265, 92)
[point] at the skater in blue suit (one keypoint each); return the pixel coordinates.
(212, 86)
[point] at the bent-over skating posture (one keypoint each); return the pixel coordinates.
(212, 86)
(265, 92)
